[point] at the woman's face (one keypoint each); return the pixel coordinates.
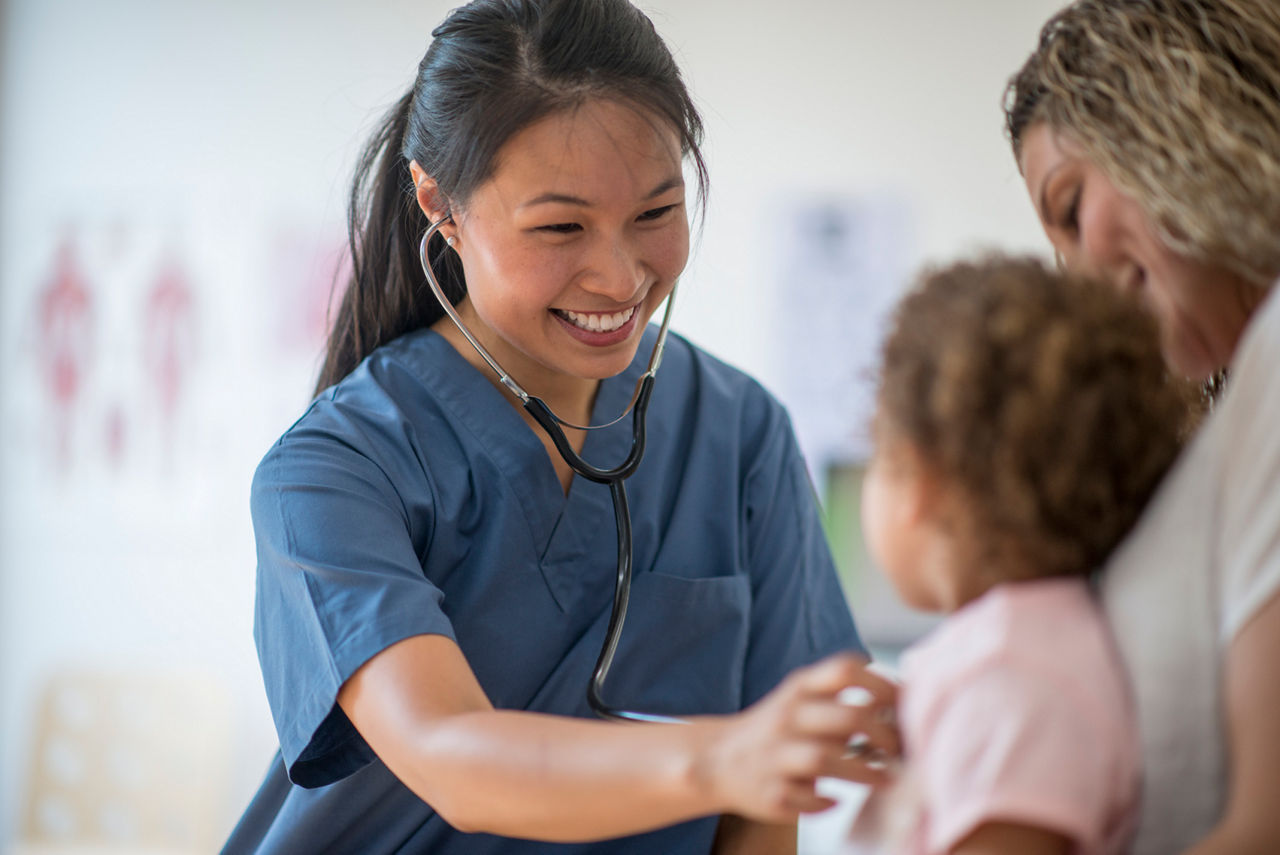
(573, 242)
(1202, 310)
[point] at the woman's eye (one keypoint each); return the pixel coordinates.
(1070, 219)
(656, 213)
(560, 228)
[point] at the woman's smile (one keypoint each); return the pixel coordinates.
(599, 329)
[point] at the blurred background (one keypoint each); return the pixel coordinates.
(173, 177)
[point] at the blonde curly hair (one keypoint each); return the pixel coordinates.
(1043, 398)
(1178, 102)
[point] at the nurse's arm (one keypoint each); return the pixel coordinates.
(544, 777)
(1251, 822)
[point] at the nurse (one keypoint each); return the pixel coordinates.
(434, 583)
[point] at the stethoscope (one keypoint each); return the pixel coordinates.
(615, 477)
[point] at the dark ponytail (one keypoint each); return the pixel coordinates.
(385, 296)
(493, 68)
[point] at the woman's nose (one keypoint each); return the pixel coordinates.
(1080, 260)
(617, 272)
(1105, 246)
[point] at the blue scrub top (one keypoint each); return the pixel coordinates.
(412, 498)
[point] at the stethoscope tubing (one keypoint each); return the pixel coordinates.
(615, 477)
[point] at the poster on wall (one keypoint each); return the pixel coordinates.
(63, 331)
(143, 346)
(111, 339)
(842, 264)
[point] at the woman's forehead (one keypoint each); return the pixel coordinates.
(598, 147)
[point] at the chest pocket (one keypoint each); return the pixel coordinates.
(683, 651)
(684, 645)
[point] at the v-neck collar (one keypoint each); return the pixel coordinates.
(565, 529)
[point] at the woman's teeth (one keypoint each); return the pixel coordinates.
(597, 323)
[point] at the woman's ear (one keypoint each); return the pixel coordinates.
(432, 202)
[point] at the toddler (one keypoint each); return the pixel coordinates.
(1024, 418)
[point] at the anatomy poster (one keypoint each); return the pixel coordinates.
(170, 344)
(109, 344)
(64, 336)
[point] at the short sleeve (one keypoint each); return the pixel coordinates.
(339, 580)
(1249, 524)
(799, 611)
(1007, 744)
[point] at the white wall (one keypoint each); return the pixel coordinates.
(221, 135)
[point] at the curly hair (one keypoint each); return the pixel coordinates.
(1043, 397)
(1178, 102)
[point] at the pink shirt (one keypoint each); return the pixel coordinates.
(1015, 709)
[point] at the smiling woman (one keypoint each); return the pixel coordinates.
(1148, 132)
(1149, 137)
(569, 247)
(1203, 307)
(434, 582)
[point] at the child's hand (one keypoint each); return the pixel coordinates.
(767, 759)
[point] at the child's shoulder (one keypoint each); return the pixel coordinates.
(1046, 635)
(1011, 620)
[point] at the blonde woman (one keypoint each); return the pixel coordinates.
(1148, 133)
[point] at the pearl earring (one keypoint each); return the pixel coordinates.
(449, 241)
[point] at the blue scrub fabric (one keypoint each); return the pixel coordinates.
(412, 498)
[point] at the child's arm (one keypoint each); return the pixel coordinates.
(1003, 838)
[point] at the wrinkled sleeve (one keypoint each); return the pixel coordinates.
(339, 579)
(1004, 743)
(799, 610)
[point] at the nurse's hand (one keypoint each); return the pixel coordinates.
(767, 759)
